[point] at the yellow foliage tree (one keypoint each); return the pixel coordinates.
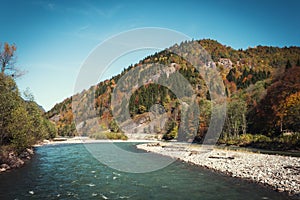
(289, 112)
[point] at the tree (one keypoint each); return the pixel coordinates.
(20, 127)
(235, 122)
(298, 62)
(288, 65)
(9, 100)
(204, 118)
(7, 60)
(268, 116)
(290, 112)
(172, 130)
(114, 127)
(22, 123)
(50, 128)
(38, 129)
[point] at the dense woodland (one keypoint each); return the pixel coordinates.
(262, 86)
(22, 121)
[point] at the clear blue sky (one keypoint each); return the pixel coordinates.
(55, 37)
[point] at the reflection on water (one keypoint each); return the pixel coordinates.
(71, 172)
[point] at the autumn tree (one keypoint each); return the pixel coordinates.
(269, 117)
(7, 60)
(290, 112)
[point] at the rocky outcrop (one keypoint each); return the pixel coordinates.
(11, 160)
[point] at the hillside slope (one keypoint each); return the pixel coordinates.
(250, 77)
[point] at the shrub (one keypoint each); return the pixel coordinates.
(116, 136)
(245, 139)
(261, 139)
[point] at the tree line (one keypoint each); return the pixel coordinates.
(22, 120)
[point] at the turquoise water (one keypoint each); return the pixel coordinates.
(71, 172)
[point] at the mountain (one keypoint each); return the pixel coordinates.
(260, 84)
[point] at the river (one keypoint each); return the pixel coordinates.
(69, 171)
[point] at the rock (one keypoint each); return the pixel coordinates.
(280, 189)
(16, 163)
(153, 144)
(46, 141)
(30, 151)
(25, 154)
(193, 153)
(2, 169)
(5, 166)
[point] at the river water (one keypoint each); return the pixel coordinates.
(69, 171)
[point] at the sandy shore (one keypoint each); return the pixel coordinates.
(282, 173)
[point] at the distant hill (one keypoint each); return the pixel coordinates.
(260, 83)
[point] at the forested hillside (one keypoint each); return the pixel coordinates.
(262, 86)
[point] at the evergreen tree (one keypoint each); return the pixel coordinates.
(288, 65)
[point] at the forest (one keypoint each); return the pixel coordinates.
(262, 86)
(22, 120)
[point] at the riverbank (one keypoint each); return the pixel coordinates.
(281, 173)
(9, 159)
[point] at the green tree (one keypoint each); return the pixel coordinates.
(113, 126)
(38, 128)
(50, 129)
(20, 128)
(235, 122)
(9, 100)
(171, 131)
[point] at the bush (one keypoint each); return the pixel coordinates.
(261, 139)
(245, 139)
(109, 135)
(99, 136)
(116, 136)
(289, 141)
(172, 131)
(263, 142)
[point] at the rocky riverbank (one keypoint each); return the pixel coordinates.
(282, 173)
(10, 160)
